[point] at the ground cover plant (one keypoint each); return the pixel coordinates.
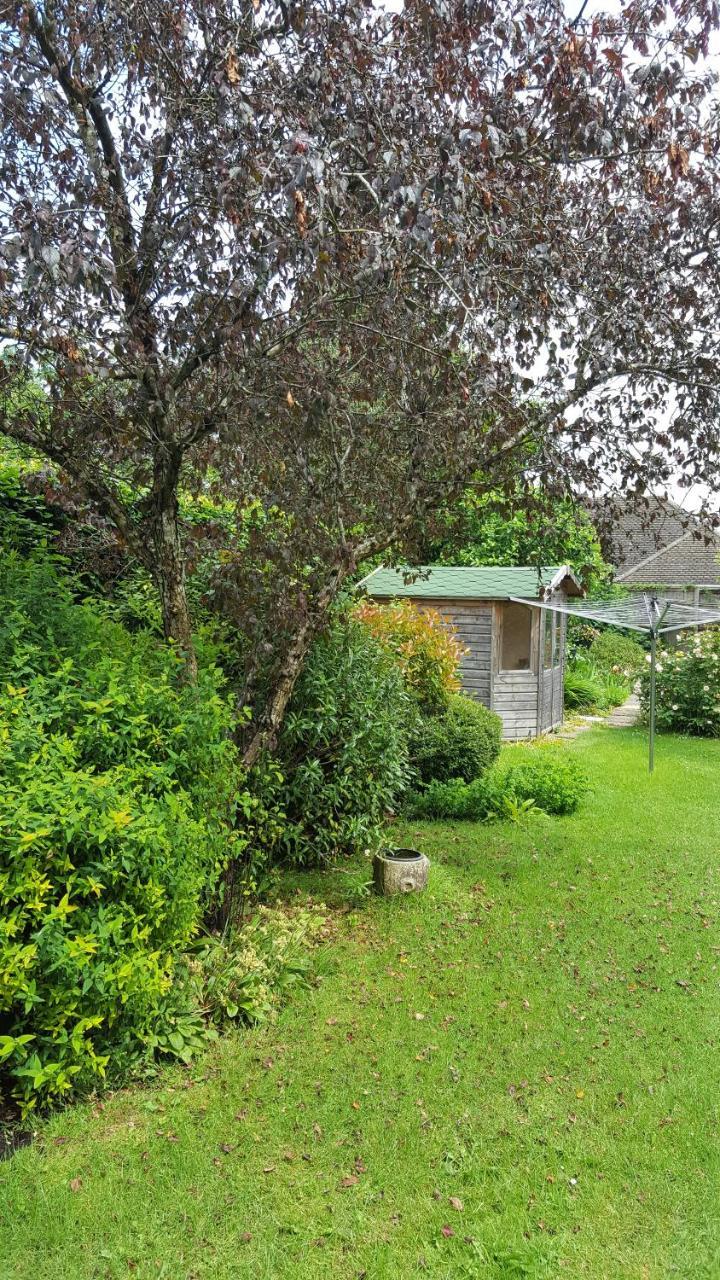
(542, 778)
(513, 1075)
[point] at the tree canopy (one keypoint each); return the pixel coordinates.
(319, 256)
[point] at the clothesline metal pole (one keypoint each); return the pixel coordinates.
(656, 616)
(653, 668)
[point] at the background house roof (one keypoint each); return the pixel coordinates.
(653, 540)
(440, 582)
(686, 562)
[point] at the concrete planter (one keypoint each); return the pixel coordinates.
(399, 871)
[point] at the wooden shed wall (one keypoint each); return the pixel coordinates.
(473, 623)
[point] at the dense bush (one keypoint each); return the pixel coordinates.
(424, 645)
(688, 685)
(617, 654)
(602, 674)
(117, 783)
(343, 750)
(461, 742)
(542, 778)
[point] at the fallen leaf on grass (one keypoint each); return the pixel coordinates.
(350, 1181)
(75, 1184)
(447, 1231)
(246, 1237)
(456, 1204)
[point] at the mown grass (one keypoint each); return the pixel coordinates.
(516, 1074)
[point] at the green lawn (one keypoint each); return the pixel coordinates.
(516, 1074)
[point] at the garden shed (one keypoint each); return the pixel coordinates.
(515, 654)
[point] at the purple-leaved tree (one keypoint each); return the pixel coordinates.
(338, 259)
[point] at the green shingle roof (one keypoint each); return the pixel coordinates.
(440, 582)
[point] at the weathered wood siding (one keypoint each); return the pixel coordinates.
(473, 624)
(515, 699)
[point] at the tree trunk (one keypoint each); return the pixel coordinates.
(270, 725)
(169, 566)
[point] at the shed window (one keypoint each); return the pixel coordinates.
(550, 640)
(516, 638)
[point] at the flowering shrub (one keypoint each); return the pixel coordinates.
(424, 644)
(688, 685)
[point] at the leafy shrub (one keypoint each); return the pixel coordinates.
(25, 521)
(552, 778)
(589, 687)
(617, 654)
(688, 685)
(541, 778)
(615, 691)
(423, 643)
(343, 749)
(462, 742)
(248, 973)
(582, 690)
(117, 783)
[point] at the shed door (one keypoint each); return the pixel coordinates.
(515, 683)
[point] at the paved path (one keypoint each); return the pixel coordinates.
(626, 715)
(621, 718)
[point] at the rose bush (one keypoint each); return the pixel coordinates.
(688, 685)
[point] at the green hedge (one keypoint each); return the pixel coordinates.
(462, 742)
(116, 784)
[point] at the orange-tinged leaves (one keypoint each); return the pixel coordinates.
(232, 67)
